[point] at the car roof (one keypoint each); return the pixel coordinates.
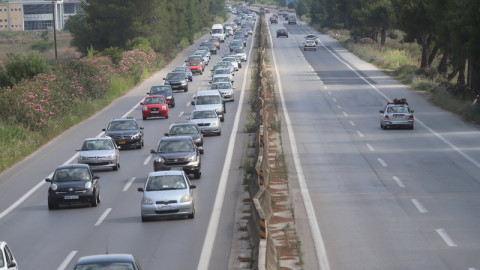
(75, 165)
(182, 124)
(176, 138)
(169, 172)
(106, 258)
(123, 119)
(207, 93)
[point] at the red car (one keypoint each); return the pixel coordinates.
(195, 67)
(154, 106)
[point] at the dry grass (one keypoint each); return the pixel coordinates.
(19, 43)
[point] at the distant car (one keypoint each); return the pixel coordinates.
(187, 129)
(186, 70)
(178, 152)
(220, 79)
(282, 33)
(99, 153)
(211, 46)
(240, 53)
(210, 100)
(154, 106)
(236, 64)
(177, 81)
(205, 55)
(195, 66)
(313, 37)
(207, 120)
(215, 41)
(226, 72)
(73, 184)
(125, 132)
(7, 260)
(164, 90)
(167, 193)
(226, 89)
(108, 261)
(237, 44)
(273, 19)
(309, 44)
(397, 113)
(197, 57)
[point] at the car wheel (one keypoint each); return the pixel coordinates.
(304, 49)
(173, 105)
(191, 79)
(202, 151)
(144, 219)
(219, 133)
(94, 201)
(144, 118)
(222, 119)
(52, 205)
(186, 89)
(192, 215)
(382, 126)
(166, 117)
(197, 174)
(115, 168)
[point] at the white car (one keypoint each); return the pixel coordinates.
(100, 153)
(240, 53)
(207, 120)
(167, 193)
(7, 261)
(236, 63)
(226, 89)
(223, 72)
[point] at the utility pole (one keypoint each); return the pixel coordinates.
(54, 20)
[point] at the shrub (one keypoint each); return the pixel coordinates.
(19, 67)
(114, 53)
(41, 45)
(140, 43)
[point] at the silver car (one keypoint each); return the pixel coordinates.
(397, 113)
(100, 153)
(207, 120)
(226, 89)
(167, 193)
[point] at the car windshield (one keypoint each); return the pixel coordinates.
(203, 114)
(90, 145)
(165, 182)
(221, 86)
(175, 76)
(205, 100)
(193, 63)
(71, 174)
(180, 69)
(122, 125)
(221, 79)
(175, 146)
(194, 57)
(154, 100)
(222, 71)
(106, 266)
(184, 129)
(159, 89)
(239, 51)
(397, 109)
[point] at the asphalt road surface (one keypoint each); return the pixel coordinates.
(367, 198)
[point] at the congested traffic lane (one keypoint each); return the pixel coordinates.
(383, 199)
(44, 239)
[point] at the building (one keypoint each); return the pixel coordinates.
(37, 14)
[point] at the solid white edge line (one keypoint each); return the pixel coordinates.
(210, 236)
(445, 237)
(320, 251)
(419, 206)
(67, 260)
(103, 216)
(129, 183)
(451, 145)
(398, 181)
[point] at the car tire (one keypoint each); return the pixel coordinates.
(115, 168)
(304, 49)
(144, 219)
(197, 174)
(95, 201)
(219, 133)
(173, 105)
(192, 215)
(222, 119)
(202, 151)
(186, 89)
(382, 126)
(144, 118)
(52, 205)
(166, 117)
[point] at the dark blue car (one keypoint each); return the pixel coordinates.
(186, 70)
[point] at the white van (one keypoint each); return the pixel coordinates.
(292, 18)
(218, 32)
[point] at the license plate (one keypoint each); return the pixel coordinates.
(71, 197)
(122, 142)
(155, 112)
(166, 207)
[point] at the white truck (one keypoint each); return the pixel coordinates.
(292, 18)
(218, 32)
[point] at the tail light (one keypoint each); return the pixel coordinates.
(410, 117)
(386, 117)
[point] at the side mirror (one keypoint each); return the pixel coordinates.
(48, 180)
(193, 186)
(381, 111)
(187, 118)
(166, 134)
(77, 149)
(104, 129)
(141, 103)
(193, 103)
(141, 127)
(140, 189)
(152, 151)
(96, 177)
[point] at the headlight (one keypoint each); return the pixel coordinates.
(167, 82)
(183, 82)
(54, 187)
(88, 185)
(192, 158)
(110, 156)
(136, 136)
(164, 107)
(82, 157)
(159, 160)
(186, 198)
(145, 108)
(147, 201)
(198, 140)
(215, 124)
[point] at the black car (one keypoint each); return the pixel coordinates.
(125, 132)
(177, 81)
(177, 152)
(108, 261)
(187, 129)
(211, 47)
(164, 90)
(282, 33)
(73, 184)
(273, 19)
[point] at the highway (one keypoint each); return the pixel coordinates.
(367, 198)
(43, 239)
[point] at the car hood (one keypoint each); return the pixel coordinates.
(208, 107)
(96, 153)
(194, 136)
(155, 105)
(179, 155)
(166, 195)
(121, 132)
(75, 185)
(204, 120)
